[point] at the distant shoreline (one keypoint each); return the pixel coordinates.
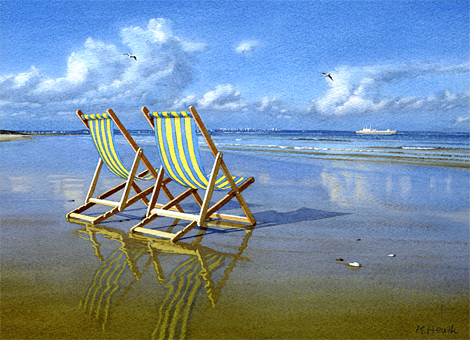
(225, 130)
(6, 136)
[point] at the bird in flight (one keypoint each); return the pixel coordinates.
(130, 56)
(326, 75)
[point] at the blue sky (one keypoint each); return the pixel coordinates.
(242, 64)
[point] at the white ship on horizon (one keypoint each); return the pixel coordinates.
(371, 131)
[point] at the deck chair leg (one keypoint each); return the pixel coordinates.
(130, 180)
(171, 197)
(156, 192)
(245, 209)
(239, 197)
(198, 198)
(138, 191)
(91, 190)
(210, 189)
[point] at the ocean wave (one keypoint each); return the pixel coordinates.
(420, 148)
(392, 156)
(320, 139)
(399, 150)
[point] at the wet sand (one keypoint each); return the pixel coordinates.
(281, 280)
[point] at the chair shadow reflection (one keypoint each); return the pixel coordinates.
(193, 272)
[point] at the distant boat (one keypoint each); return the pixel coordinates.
(370, 131)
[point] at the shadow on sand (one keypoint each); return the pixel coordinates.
(274, 218)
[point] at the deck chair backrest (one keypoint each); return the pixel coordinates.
(101, 127)
(178, 147)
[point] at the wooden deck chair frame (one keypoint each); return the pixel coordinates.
(130, 175)
(206, 211)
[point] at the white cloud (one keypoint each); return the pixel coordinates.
(359, 90)
(99, 76)
(271, 106)
(247, 47)
(463, 119)
(222, 98)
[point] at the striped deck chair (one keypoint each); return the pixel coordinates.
(178, 148)
(101, 127)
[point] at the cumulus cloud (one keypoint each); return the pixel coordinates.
(463, 119)
(271, 106)
(359, 90)
(222, 98)
(247, 47)
(99, 76)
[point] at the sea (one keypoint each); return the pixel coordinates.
(450, 149)
(421, 148)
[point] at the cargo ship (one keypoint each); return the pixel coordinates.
(370, 131)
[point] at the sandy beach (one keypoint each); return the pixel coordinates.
(6, 137)
(287, 278)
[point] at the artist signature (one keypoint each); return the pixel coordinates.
(436, 330)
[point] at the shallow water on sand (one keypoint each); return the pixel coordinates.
(280, 280)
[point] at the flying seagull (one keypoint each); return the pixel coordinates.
(130, 56)
(326, 75)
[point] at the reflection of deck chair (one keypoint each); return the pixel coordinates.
(110, 278)
(196, 273)
(101, 127)
(192, 275)
(178, 148)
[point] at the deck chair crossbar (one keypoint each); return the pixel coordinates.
(176, 138)
(101, 127)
